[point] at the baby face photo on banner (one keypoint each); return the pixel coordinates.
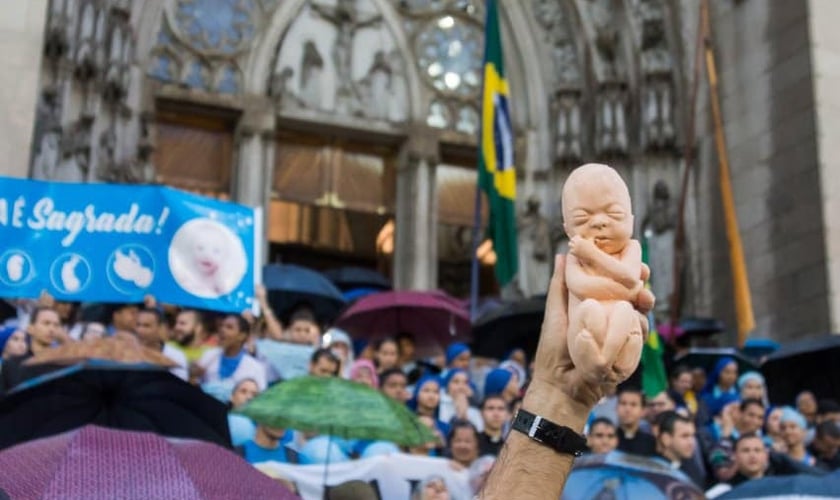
(118, 243)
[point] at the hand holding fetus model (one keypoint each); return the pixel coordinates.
(603, 272)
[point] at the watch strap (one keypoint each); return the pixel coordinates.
(560, 438)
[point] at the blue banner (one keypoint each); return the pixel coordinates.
(117, 243)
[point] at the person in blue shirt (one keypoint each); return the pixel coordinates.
(269, 444)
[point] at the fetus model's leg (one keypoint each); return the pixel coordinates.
(587, 329)
(623, 341)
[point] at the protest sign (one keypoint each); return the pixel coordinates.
(287, 360)
(393, 476)
(117, 243)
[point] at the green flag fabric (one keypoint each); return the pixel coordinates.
(654, 377)
(496, 173)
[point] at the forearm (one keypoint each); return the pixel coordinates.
(598, 288)
(527, 469)
(616, 270)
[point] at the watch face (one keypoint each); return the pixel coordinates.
(449, 53)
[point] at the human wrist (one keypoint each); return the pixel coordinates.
(551, 402)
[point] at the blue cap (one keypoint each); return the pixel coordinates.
(496, 381)
(455, 350)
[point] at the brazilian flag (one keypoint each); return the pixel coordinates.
(496, 174)
(654, 377)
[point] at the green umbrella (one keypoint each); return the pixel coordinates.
(337, 407)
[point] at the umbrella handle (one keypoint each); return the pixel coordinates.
(327, 462)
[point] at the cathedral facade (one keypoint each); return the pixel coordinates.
(353, 123)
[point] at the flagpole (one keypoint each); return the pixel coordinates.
(476, 241)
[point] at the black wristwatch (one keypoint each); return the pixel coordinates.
(560, 438)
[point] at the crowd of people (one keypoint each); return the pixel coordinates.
(717, 428)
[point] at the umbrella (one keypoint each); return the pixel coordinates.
(434, 318)
(760, 348)
(133, 397)
(509, 326)
(337, 407)
(618, 475)
(95, 462)
(707, 357)
(807, 363)
(796, 486)
(289, 286)
(348, 278)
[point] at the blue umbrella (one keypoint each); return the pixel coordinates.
(348, 278)
(618, 476)
(290, 286)
(799, 486)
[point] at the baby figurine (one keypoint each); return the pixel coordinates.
(604, 274)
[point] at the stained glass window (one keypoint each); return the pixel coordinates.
(223, 26)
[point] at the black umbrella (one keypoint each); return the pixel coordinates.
(509, 326)
(349, 278)
(290, 286)
(117, 395)
(808, 363)
(707, 358)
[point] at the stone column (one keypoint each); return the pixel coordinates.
(22, 28)
(415, 249)
(255, 161)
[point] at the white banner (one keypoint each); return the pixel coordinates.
(393, 476)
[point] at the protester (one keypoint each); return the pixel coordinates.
(455, 399)
(426, 401)
(631, 438)
(794, 431)
(324, 363)
(463, 442)
(751, 385)
(268, 444)
(303, 328)
(241, 427)
(458, 355)
(720, 383)
(364, 372)
(602, 437)
(828, 409)
(342, 346)
(681, 384)
(393, 383)
(149, 331)
(494, 415)
(229, 362)
(675, 444)
(386, 354)
(431, 488)
(501, 382)
(190, 335)
(12, 342)
(772, 430)
(123, 318)
(825, 448)
(806, 405)
(407, 345)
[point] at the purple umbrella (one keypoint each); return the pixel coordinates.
(434, 318)
(95, 462)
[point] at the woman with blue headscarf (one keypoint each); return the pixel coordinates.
(751, 385)
(455, 399)
(426, 401)
(720, 382)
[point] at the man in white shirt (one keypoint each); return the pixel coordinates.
(229, 363)
(149, 331)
